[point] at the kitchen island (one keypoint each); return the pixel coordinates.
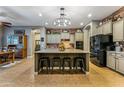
(67, 52)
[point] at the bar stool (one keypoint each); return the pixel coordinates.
(56, 60)
(44, 61)
(68, 61)
(79, 61)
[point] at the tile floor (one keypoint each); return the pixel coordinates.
(22, 75)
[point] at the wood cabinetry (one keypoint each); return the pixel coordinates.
(118, 30)
(65, 35)
(115, 61)
(79, 36)
(71, 38)
(120, 64)
(53, 38)
(107, 28)
(111, 60)
(99, 30)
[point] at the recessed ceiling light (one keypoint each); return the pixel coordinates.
(89, 15)
(40, 14)
(81, 23)
(69, 23)
(54, 23)
(46, 23)
(64, 24)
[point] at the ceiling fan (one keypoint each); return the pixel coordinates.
(4, 18)
(5, 24)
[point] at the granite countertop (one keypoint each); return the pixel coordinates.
(52, 50)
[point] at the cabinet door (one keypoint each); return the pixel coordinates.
(120, 65)
(107, 28)
(49, 38)
(71, 38)
(65, 35)
(111, 61)
(104, 29)
(118, 32)
(53, 38)
(79, 36)
(99, 30)
(56, 38)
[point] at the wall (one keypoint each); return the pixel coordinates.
(1, 37)
(27, 32)
(92, 27)
(43, 35)
(35, 37)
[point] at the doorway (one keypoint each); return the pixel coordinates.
(35, 39)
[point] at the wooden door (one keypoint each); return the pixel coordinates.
(25, 46)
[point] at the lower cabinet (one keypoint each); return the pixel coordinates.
(115, 62)
(120, 65)
(111, 61)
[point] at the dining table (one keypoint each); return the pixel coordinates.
(8, 54)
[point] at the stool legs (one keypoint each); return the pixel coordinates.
(63, 64)
(46, 62)
(79, 61)
(55, 60)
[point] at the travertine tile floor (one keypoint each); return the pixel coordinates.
(22, 75)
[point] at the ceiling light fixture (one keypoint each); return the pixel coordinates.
(46, 23)
(62, 20)
(89, 15)
(40, 14)
(81, 23)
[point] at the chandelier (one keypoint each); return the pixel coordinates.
(62, 20)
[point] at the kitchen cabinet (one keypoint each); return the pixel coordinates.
(107, 28)
(111, 60)
(65, 35)
(71, 38)
(99, 30)
(115, 61)
(118, 30)
(120, 64)
(53, 38)
(79, 36)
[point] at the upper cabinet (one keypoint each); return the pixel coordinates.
(107, 28)
(71, 38)
(65, 35)
(99, 30)
(118, 30)
(104, 29)
(79, 36)
(53, 38)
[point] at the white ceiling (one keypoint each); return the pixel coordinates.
(28, 15)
